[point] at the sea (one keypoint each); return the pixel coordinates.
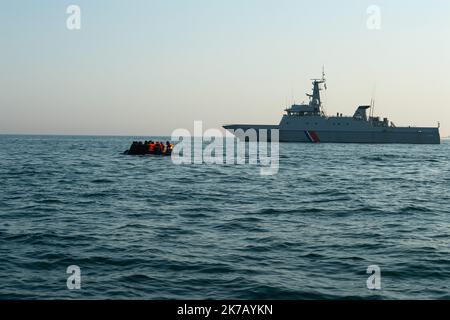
(81, 220)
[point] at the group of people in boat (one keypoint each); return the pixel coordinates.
(150, 147)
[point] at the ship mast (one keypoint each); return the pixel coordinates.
(372, 104)
(315, 100)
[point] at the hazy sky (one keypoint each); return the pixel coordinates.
(149, 67)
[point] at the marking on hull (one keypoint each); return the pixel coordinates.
(312, 136)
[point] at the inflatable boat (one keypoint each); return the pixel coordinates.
(145, 148)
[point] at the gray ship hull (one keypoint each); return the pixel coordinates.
(405, 135)
(397, 135)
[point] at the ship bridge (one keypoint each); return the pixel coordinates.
(314, 107)
(301, 110)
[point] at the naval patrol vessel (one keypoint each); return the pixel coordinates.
(309, 123)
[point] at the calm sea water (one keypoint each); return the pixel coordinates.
(142, 227)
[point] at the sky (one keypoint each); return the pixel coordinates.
(149, 67)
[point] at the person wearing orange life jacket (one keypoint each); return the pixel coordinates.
(152, 147)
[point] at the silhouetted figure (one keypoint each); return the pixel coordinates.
(157, 148)
(169, 147)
